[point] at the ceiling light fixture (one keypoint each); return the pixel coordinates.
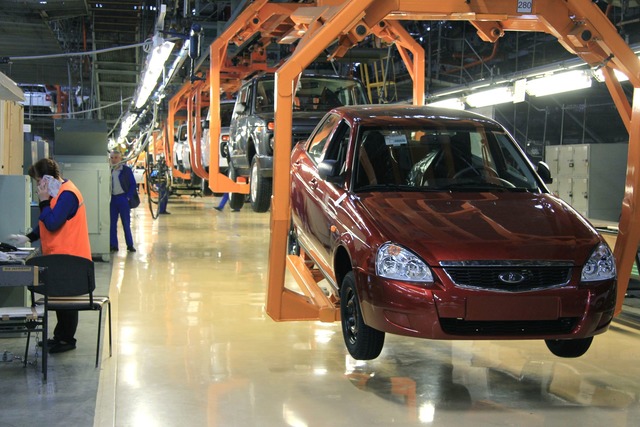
(599, 75)
(499, 95)
(153, 70)
(127, 124)
(452, 103)
(177, 63)
(559, 83)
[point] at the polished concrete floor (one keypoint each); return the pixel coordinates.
(194, 347)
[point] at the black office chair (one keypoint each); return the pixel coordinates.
(69, 285)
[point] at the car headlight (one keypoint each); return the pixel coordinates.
(398, 263)
(600, 266)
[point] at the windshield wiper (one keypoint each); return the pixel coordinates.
(481, 186)
(393, 187)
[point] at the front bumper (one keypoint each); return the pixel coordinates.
(445, 311)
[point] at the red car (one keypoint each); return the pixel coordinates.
(432, 223)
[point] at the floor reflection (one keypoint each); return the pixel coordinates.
(439, 381)
(196, 348)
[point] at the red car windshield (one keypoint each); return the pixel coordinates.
(456, 159)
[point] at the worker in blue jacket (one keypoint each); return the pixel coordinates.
(123, 198)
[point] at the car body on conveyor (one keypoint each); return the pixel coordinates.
(433, 223)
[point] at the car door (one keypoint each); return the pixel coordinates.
(319, 208)
(305, 180)
(324, 224)
(238, 127)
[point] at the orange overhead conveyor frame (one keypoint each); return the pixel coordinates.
(349, 23)
(264, 23)
(197, 99)
(578, 24)
(580, 27)
(176, 104)
(190, 100)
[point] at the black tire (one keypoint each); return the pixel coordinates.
(204, 188)
(569, 348)
(236, 200)
(260, 189)
(363, 342)
(152, 196)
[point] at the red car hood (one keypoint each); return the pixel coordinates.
(480, 226)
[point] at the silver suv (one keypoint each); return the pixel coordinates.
(37, 98)
(251, 133)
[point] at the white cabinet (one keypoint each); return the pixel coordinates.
(80, 148)
(93, 181)
(15, 218)
(590, 177)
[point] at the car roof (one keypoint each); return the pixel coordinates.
(32, 85)
(389, 114)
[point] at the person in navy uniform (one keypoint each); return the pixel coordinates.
(123, 187)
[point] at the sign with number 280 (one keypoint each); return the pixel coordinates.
(525, 6)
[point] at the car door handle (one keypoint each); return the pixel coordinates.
(313, 183)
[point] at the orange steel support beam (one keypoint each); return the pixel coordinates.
(177, 103)
(261, 16)
(619, 97)
(327, 27)
(393, 32)
(629, 227)
(194, 129)
(580, 27)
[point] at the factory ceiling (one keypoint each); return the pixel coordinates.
(95, 49)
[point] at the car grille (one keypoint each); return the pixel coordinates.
(506, 276)
(563, 325)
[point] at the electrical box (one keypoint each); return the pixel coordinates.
(590, 177)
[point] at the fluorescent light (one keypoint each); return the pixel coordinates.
(127, 124)
(452, 103)
(177, 62)
(519, 90)
(559, 83)
(599, 75)
(155, 67)
(499, 95)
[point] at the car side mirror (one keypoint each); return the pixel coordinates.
(328, 170)
(241, 107)
(544, 172)
(205, 125)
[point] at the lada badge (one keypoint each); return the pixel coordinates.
(511, 277)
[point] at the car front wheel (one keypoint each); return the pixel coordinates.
(236, 200)
(569, 348)
(260, 189)
(362, 341)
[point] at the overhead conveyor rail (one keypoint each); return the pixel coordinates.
(579, 25)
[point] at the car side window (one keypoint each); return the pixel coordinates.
(242, 102)
(226, 111)
(337, 149)
(316, 145)
(264, 96)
